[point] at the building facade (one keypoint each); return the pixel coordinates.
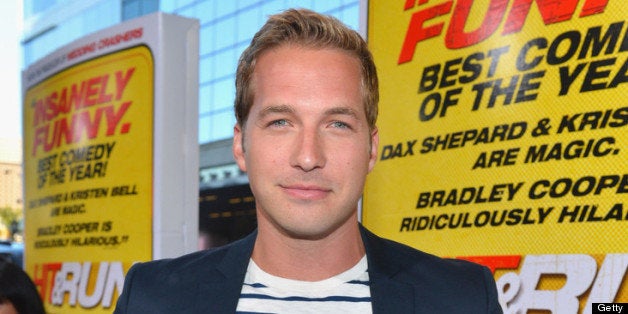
(11, 196)
(11, 187)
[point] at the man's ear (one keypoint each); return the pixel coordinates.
(374, 146)
(238, 147)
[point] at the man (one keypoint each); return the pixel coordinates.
(306, 106)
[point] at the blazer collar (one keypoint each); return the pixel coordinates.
(389, 293)
(222, 295)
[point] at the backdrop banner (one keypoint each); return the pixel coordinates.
(95, 125)
(503, 141)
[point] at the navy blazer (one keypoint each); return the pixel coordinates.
(402, 279)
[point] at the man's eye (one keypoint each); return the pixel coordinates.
(340, 124)
(279, 123)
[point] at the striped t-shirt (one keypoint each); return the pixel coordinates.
(345, 293)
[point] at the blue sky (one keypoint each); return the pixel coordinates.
(10, 67)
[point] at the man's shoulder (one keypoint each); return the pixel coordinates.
(405, 259)
(174, 285)
(403, 273)
(186, 267)
(210, 257)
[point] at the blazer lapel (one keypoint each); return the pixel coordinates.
(389, 294)
(219, 288)
(220, 293)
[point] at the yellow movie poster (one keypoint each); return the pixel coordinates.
(503, 140)
(88, 147)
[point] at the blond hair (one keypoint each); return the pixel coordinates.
(308, 29)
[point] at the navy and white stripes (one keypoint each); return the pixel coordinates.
(345, 293)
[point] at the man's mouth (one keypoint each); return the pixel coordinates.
(306, 192)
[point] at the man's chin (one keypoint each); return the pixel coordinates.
(310, 233)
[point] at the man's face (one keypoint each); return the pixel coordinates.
(306, 144)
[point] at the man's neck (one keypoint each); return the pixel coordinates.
(306, 259)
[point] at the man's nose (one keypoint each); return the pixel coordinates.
(308, 152)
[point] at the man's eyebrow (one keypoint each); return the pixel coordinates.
(276, 109)
(342, 111)
(273, 109)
